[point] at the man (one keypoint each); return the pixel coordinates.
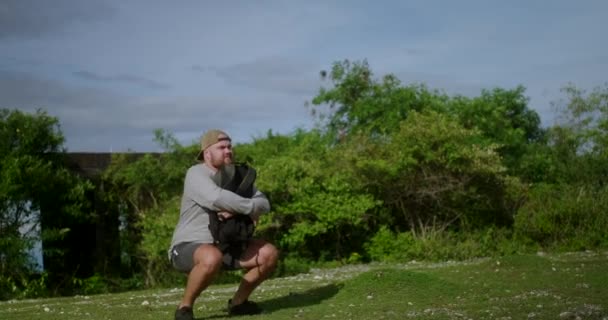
(192, 248)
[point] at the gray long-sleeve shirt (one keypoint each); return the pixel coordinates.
(201, 197)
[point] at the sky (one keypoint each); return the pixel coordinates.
(114, 71)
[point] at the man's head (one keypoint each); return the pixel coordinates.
(216, 148)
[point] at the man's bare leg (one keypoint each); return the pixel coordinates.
(260, 260)
(207, 263)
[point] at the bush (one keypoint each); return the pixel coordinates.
(157, 227)
(21, 287)
(565, 217)
(94, 284)
(387, 246)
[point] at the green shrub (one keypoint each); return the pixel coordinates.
(94, 284)
(136, 282)
(565, 217)
(157, 227)
(21, 287)
(388, 246)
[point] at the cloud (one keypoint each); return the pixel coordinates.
(278, 74)
(199, 68)
(101, 119)
(249, 67)
(447, 83)
(243, 116)
(36, 18)
(86, 115)
(122, 78)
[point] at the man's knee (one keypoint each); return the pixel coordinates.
(269, 254)
(259, 253)
(208, 256)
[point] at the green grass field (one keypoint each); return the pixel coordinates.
(543, 286)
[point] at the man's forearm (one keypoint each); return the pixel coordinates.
(232, 202)
(261, 204)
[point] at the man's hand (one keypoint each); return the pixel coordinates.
(255, 218)
(224, 215)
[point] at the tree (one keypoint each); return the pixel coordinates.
(434, 161)
(504, 117)
(359, 104)
(316, 212)
(35, 186)
(432, 174)
(579, 140)
(145, 190)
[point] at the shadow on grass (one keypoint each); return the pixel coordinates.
(292, 300)
(300, 299)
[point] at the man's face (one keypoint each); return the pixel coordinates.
(219, 153)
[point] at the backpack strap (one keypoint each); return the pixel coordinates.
(248, 176)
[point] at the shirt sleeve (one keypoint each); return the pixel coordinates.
(262, 205)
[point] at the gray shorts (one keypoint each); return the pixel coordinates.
(182, 257)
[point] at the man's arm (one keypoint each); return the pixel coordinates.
(262, 204)
(202, 189)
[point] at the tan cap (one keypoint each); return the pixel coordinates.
(210, 138)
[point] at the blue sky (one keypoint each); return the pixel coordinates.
(113, 71)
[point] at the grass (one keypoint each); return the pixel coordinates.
(543, 286)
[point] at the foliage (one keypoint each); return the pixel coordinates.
(401, 144)
(580, 138)
(149, 179)
(587, 115)
(157, 227)
(312, 202)
(94, 284)
(432, 173)
(24, 286)
(565, 216)
(391, 172)
(35, 188)
(359, 104)
(504, 117)
(267, 147)
(143, 189)
(388, 246)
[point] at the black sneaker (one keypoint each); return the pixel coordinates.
(245, 308)
(184, 313)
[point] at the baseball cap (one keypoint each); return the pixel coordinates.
(210, 138)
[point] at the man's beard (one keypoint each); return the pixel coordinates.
(220, 161)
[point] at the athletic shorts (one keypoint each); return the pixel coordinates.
(182, 257)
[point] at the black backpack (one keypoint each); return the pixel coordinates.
(233, 234)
